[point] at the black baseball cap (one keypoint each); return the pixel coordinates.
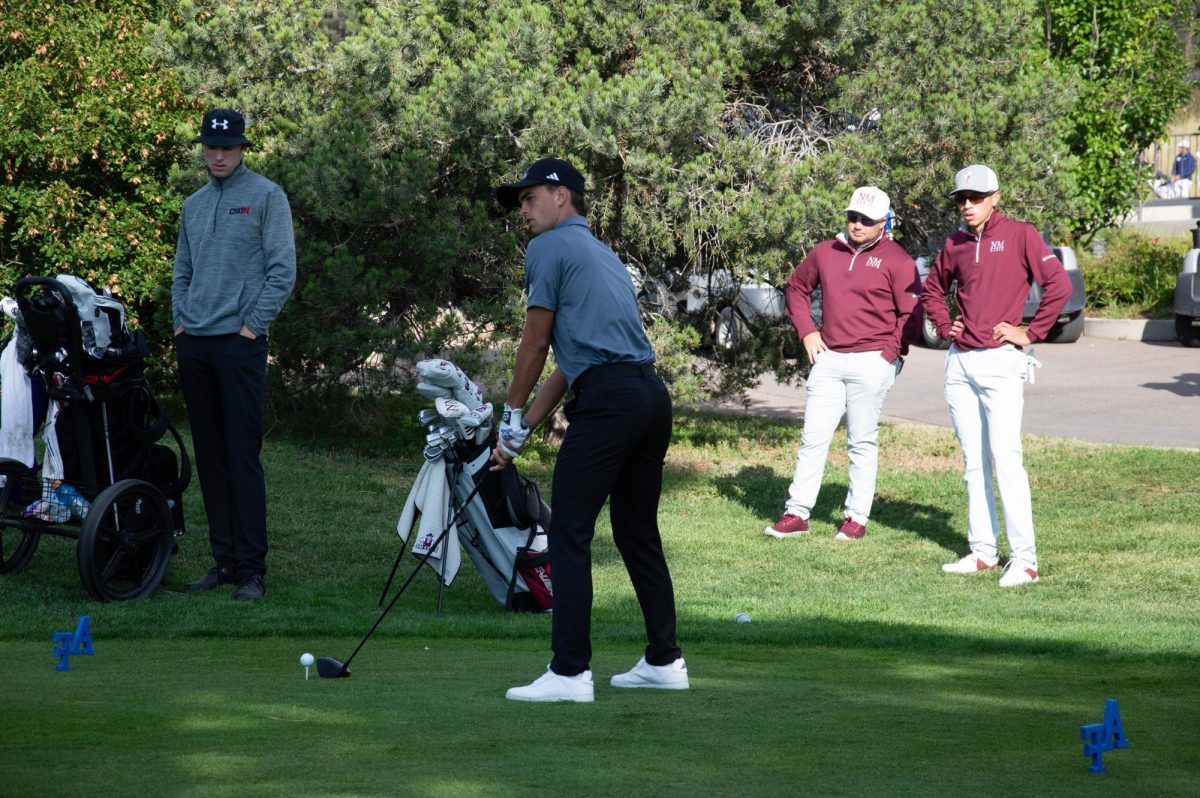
(222, 127)
(554, 171)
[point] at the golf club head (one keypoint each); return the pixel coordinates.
(427, 416)
(330, 668)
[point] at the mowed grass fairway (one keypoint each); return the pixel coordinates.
(864, 671)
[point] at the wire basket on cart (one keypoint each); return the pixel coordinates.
(105, 479)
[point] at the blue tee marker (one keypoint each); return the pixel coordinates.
(1100, 737)
(77, 642)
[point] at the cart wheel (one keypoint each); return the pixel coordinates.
(125, 542)
(16, 544)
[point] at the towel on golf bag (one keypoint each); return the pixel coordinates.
(52, 468)
(431, 496)
(16, 408)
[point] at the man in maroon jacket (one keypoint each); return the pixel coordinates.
(869, 288)
(993, 259)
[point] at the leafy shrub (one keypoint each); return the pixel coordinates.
(87, 141)
(1136, 272)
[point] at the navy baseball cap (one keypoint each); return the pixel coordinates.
(222, 127)
(554, 171)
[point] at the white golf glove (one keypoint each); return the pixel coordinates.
(513, 431)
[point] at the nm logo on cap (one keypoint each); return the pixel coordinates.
(867, 198)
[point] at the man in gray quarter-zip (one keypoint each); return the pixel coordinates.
(992, 260)
(869, 288)
(235, 265)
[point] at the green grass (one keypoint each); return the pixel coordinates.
(865, 670)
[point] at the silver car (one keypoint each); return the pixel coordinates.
(1067, 327)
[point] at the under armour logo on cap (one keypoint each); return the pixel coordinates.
(222, 127)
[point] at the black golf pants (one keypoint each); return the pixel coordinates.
(620, 428)
(224, 385)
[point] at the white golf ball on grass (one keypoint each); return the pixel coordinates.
(306, 660)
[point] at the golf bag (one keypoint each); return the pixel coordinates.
(103, 423)
(497, 517)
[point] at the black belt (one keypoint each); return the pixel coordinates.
(612, 371)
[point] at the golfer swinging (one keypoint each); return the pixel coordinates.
(581, 300)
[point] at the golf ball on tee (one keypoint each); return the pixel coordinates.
(306, 660)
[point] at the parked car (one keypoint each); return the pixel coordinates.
(738, 310)
(1067, 327)
(1187, 295)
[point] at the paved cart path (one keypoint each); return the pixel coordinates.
(1096, 389)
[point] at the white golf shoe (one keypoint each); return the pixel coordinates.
(971, 564)
(662, 677)
(1017, 572)
(550, 686)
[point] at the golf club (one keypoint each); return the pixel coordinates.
(330, 668)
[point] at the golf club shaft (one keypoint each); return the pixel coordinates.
(424, 559)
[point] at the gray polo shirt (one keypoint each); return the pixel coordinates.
(596, 321)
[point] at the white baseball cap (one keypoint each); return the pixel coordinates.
(975, 177)
(1184, 143)
(870, 202)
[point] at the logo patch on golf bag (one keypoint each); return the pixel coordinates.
(534, 568)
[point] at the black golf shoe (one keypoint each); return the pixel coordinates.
(216, 576)
(252, 587)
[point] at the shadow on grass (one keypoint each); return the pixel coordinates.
(763, 492)
(923, 520)
(821, 631)
(432, 721)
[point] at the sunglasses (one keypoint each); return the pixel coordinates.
(858, 218)
(962, 198)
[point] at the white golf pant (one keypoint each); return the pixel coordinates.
(1182, 187)
(985, 389)
(853, 383)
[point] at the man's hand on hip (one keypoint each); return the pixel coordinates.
(814, 345)
(1010, 334)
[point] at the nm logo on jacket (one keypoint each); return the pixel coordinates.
(997, 246)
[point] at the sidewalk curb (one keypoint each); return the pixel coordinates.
(1130, 329)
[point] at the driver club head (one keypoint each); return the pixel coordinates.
(330, 668)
